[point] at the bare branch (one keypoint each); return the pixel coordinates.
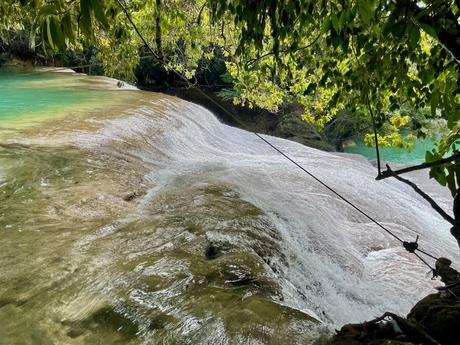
(376, 140)
(390, 173)
(425, 196)
(198, 20)
(252, 61)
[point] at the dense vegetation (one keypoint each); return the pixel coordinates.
(378, 66)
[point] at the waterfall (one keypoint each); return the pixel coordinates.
(335, 263)
(152, 221)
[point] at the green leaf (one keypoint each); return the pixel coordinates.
(427, 76)
(56, 33)
(429, 30)
(335, 22)
(434, 100)
(67, 27)
(43, 30)
(85, 19)
(414, 36)
(47, 10)
(453, 117)
(451, 179)
(33, 33)
(429, 157)
(326, 25)
(439, 174)
(366, 10)
(98, 9)
(343, 18)
(49, 36)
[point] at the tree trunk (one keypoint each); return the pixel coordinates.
(455, 230)
(158, 37)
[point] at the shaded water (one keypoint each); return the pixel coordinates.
(144, 220)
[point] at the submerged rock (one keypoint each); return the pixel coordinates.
(104, 320)
(131, 196)
(212, 251)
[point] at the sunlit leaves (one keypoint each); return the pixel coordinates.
(59, 22)
(399, 121)
(330, 57)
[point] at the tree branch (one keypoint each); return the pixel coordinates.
(390, 173)
(198, 20)
(158, 33)
(376, 140)
(425, 196)
(252, 61)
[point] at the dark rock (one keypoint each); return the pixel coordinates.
(448, 274)
(212, 252)
(130, 196)
(397, 330)
(364, 333)
(75, 332)
(292, 127)
(160, 322)
(439, 315)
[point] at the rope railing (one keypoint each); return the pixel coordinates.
(413, 246)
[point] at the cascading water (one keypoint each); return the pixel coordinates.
(149, 221)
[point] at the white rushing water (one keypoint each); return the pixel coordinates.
(138, 218)
(332, 262)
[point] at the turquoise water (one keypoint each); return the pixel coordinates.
(27, 97)
(395, 155)
(29, 94)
